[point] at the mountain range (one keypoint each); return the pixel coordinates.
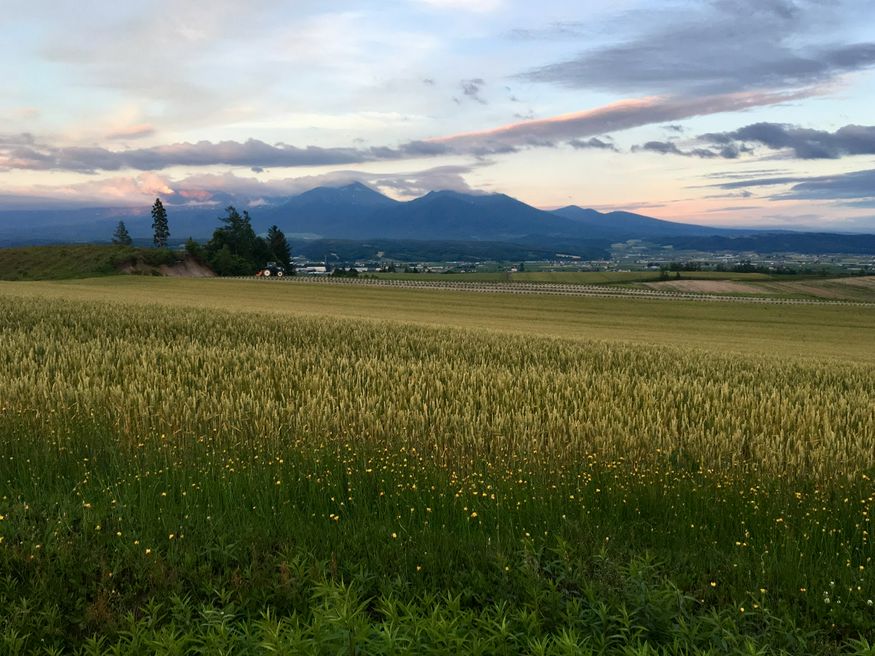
(357, 212)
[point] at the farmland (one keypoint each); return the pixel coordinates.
(859, 288)
(197, 466)
(579, 277)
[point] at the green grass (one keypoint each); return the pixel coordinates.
(245, 467)
(74, 261)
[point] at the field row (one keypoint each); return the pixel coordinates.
(655, 291)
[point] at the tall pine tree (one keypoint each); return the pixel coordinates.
(121, 236)
(159, 224)
(276, 240)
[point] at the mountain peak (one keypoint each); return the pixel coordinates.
(357, 186)
(354, 193)
(461, 195)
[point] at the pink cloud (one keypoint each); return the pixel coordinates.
(621, 115)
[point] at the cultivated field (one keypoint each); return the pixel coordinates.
(853, 289)
(213, 466)
(574, 277)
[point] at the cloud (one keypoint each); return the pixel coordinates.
(866, 203)
(471, 89)
(25, 152)
(593, 142)
(733, 208)
(746, 173)
(132, 132)
(12, 140)
(477, 6)
(735, 194)
(216, 189)
(415, 184)
(251, 153)
(24, 113)
(420, 148)
(718, 47)
(555, 30)
(106, 192)
(852, 188)
(759, 182)
(621, 115)
(728, 151)
(315, 57)
(629, 206)
(804, 143)
(853, 185)
(661, 147)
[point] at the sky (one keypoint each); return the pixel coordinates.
(720, 112)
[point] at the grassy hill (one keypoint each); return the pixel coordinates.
(79, 261)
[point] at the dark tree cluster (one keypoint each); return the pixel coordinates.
(235, 249)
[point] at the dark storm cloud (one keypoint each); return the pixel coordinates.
(720, 46)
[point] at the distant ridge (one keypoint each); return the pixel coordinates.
(358, 212)
(619, 223)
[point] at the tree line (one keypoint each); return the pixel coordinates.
(234, 248)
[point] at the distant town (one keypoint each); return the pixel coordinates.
(633, 255)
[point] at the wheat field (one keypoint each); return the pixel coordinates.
(264, 477)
